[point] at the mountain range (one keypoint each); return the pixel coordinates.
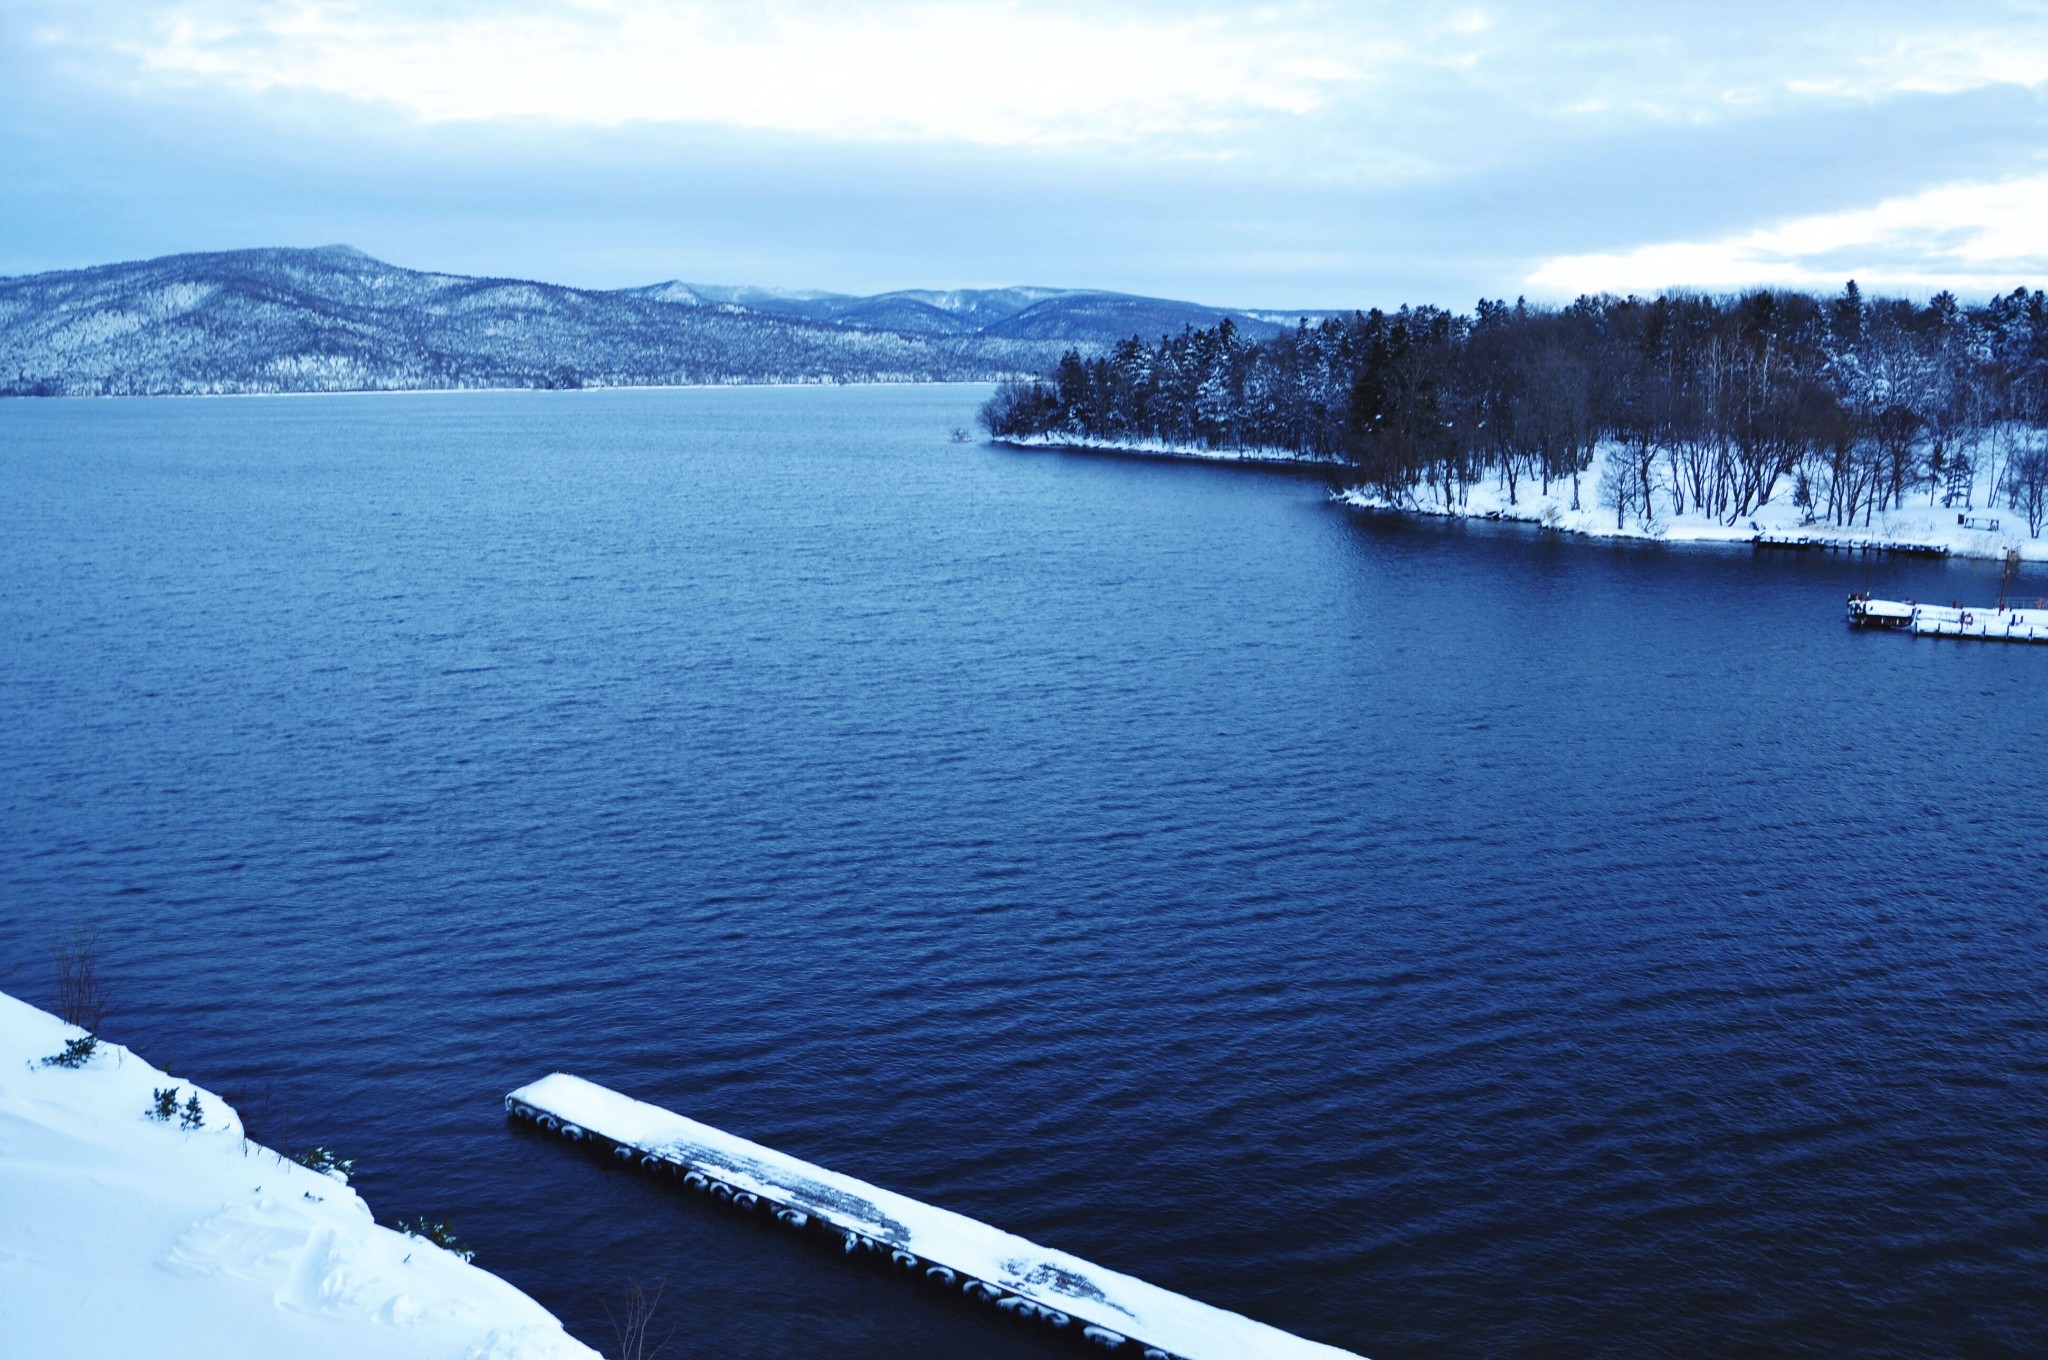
(334, 319)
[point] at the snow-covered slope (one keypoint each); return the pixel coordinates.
(123, 1236)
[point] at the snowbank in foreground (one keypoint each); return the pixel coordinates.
(1920, 526)
(124, 1236)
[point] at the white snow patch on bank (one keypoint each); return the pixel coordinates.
(1953, 529)
(124, 1236)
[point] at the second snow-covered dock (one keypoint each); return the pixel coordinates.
(1112, 1310)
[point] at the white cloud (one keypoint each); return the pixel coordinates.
(1972, 238)
(1006, 73)
(1411, 149)
(1393, 79)
(1938, 60)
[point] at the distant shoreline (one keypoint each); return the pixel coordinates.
(459, 391)
(1280, 459)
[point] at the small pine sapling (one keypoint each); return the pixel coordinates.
(192, 1116)
(438, 1232)
(324, 1161)
(166, 1104)
(77, 1052)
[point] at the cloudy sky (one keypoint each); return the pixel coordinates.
(1284, 154)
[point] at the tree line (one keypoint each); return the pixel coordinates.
(1693, 403)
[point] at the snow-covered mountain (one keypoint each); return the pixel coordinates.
(335, 319)
(1077, 316)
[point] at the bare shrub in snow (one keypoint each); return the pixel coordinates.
(81, 991)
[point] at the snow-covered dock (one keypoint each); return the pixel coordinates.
(1805, 541)
(1992, 624)
(1116, 1312)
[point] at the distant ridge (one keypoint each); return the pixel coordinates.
(333, 319)
(1075, 315)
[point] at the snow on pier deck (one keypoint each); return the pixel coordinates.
(1936, 620)
(1997, 625)
(1115, 1311)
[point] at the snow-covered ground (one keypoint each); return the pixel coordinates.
(124, 1236)
(1781, 521)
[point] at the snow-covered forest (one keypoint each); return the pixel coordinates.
(1692, 404)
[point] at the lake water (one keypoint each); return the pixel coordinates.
(1439, 941)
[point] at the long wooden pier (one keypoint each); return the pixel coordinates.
(1998, 623)
(1115, 1312)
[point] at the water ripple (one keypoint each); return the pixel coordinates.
(1442, 940)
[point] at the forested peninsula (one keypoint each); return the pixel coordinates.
(1841, 411)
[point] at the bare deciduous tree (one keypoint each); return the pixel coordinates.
(2027, 485)
(632, 1324)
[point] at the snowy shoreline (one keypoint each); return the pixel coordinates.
(1155, 448)
(1933, 530)
(125, 1234)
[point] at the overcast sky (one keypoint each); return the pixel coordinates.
(1312, 155)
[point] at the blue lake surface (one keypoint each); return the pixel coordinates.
(1440, 941)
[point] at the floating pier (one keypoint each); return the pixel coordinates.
(1115, 1312)
(1990, 624)
(1849, 543)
